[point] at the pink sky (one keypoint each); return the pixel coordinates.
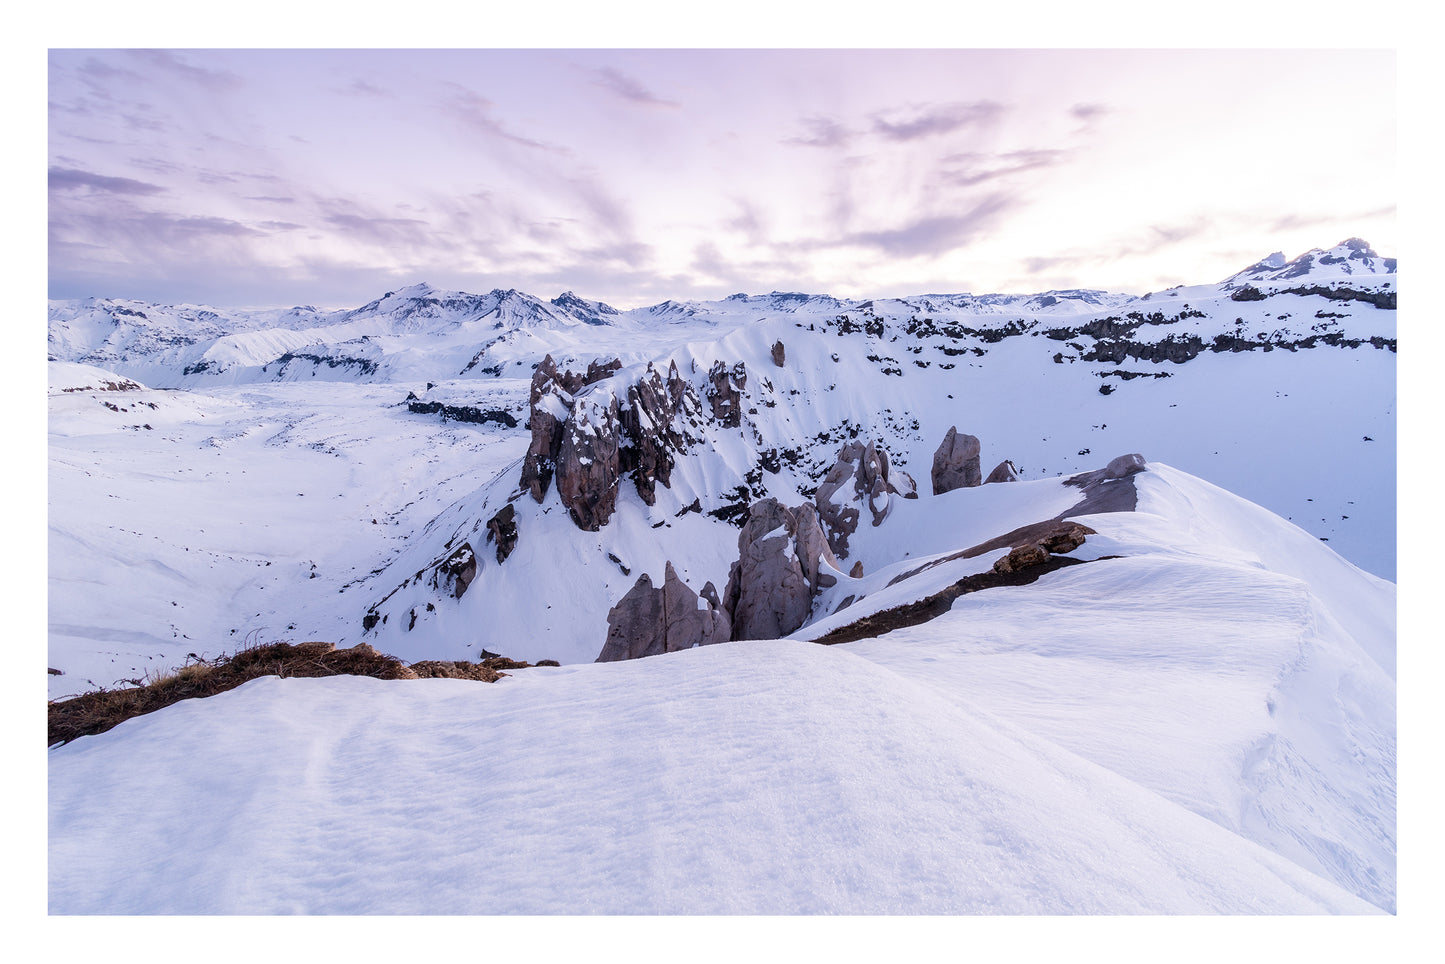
(327, 177)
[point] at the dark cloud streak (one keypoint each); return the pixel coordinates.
(629, 89)
(932, 120)
(71, 179)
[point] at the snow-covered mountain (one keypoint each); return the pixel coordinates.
(440, 474)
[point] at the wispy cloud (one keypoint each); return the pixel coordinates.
(363, 88)
(71, 179)
(1087, 112)
(965, 170)
(912, 123)
(936, 234)
(629, 88)
(380, 230)
(821, 131)
(479, 114)
(169, 62)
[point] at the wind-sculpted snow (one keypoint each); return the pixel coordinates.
(752, 778)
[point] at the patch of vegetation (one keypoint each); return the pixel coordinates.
(103, 709)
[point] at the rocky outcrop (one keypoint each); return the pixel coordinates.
(1003, 472)
(779, 353)
(502, 530)
(551, 400)
(458, 571)
(859, 480)
(1110, 489)
(1124, 465)
(783, 562)
(648, 621)
(654, 423)
(587, 439)
(1022, 557)
(956, 463)
(725, 392)
(588, 463)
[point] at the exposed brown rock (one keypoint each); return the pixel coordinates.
(857, 571)
(783, 562)
(650, 423)
(502, 529)
(549, 403)
(459, 569)
(648, 621)
(1110, 489)
(591, 439)
(956, 463)
(1003, 472)
(551, 400)
(725, 392)
(587, 465)
(779, 353)
(1056, 535)
(1124, 465)
(1022, 557)
(859, 480)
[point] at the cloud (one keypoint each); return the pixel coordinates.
(931, 120)
(821, 132)
(969, 169)
(184, 228)
(378, 229)
(168, 62)
(475, 111)
(936, 234)
(71, 179)
(362, 88)
(629, 88)
(1087, 112)
(1291, 222)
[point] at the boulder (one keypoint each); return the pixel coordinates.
(459, 569)
(502, 529)
(779, 353)
(783, 562)
(1022, 557)
(1003, 472)
(956, 463)
(1124, 465)
(648, 621)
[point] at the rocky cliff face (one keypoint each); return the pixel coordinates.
(783, 562)
(588, 439)
(655, 423)
(551, 400)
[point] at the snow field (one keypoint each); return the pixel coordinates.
(773, 778)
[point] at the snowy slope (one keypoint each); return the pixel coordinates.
(776, 778)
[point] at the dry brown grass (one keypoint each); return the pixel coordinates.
(102, 709)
